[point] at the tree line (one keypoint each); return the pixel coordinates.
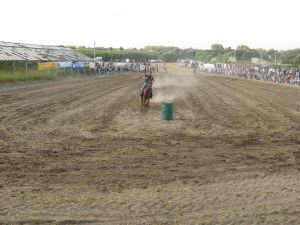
(216, 53)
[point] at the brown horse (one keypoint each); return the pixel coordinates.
(145, 96)
(147, 92)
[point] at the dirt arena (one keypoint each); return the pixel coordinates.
(81, 151)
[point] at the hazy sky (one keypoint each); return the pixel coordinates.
(136, 23)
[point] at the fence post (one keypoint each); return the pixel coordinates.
(26, 68)
(14, 67)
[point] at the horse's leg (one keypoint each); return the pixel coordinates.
(142, 100)
(148, 97)
(147, 102)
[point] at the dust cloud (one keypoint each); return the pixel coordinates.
(169, 88)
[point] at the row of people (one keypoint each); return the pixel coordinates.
(266, 73)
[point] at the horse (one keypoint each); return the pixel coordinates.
(145, 96)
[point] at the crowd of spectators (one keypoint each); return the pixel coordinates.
(107, 68)
(265, 73)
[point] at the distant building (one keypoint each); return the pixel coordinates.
(232, 59)
(259, 61)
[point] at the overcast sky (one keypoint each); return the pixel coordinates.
(137, 23)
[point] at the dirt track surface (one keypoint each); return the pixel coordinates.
(81, 151)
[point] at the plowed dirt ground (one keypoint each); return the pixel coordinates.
(82, 151)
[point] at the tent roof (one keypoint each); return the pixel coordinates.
(28, 52)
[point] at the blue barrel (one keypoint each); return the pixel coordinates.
(166, 111)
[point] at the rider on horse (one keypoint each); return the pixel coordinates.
(146, 90)
(147, 83)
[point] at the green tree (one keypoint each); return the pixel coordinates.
(202, 56)
(169, 57)
(223, 58)
(243, 52)
(242, 48)
(217, 47)
(297, 60)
